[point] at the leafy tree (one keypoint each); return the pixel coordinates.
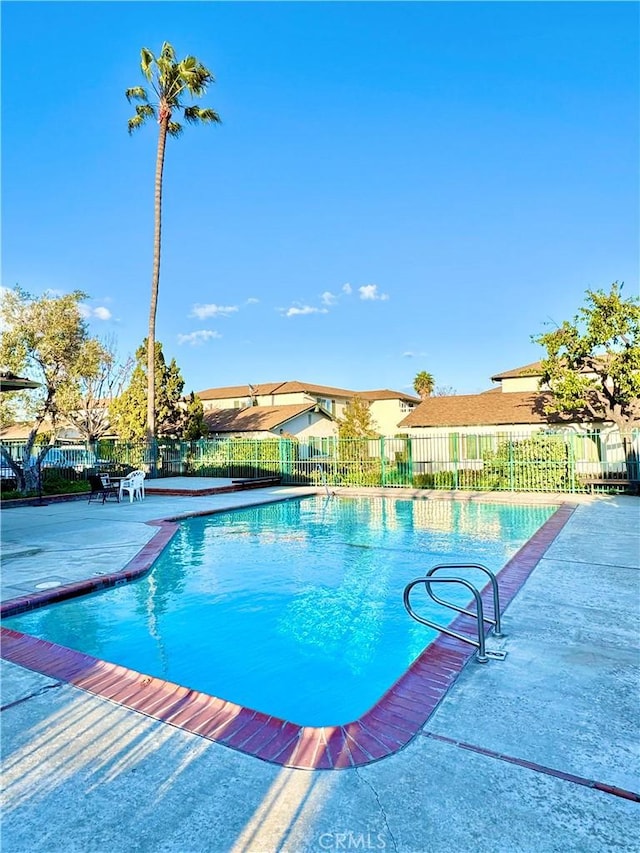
(357, 422)
(86, 404)
(47, 339)
(11, 403)
(592, 366)
(127, 413)
(423, 384)
(170, 81)
(195, 426)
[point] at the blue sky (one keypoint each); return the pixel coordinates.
(395, 187)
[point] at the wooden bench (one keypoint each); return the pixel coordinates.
(611, 482)
(256, 482)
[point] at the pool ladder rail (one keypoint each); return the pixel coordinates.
(483, 654)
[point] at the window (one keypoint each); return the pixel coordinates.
(588, 447)
(329, 405)
(475, 446)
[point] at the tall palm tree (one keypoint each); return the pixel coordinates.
(170, 81)
(423, 384)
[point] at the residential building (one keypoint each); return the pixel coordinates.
(333, 400)
(387, 407)
(463, 427)
(300, 420)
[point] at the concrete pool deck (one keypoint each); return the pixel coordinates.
(506, 762)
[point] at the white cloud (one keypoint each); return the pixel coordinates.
(198, 338)
(328, 298)
(304, 309)
(346, 288)
(99, 313)
(252, 300)
(413, 354)
(212, 310)
(370, 292)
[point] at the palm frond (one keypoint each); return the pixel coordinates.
(169, 79)
(146, 62)
(136, 93)
(191, 115)
(164, 71)
(171, 84)
(167, 52)
(195, 75)
(145, 111)
(197, 114)
(134, 123)
(208, 115)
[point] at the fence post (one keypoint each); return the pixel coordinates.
(284, 456)
(383, 467)
(153, 459)
(511, 466)
(456, 457)
(571, 454)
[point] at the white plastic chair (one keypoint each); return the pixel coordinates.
(134, 484)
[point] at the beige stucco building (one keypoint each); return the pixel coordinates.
(322, 406)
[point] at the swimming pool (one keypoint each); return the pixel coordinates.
(294, 608)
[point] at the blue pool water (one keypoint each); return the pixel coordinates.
(292, 608)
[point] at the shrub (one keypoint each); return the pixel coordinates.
(538, 463)
(62, 481)
(437, 480)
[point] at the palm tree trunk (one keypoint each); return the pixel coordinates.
(155, 281)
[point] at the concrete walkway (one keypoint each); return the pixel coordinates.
(504, 764)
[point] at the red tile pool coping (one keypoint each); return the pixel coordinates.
(386, 728)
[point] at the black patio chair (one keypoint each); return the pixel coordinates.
(102, 487)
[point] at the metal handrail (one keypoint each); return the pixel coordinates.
(323, 478)
(427, 581)
(494, 585)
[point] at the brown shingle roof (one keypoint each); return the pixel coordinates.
(480, 410)
(386, 394)
(293, 387)
(253, 418)
(322, 390)
(533, 369)
(21, 431)
(231, 391)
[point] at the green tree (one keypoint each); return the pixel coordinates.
(46, 338)
(592, 366)
(423, 384)
(195, 426)
(171, 81)
(357, 421)
(127, 413)
(11, 403)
